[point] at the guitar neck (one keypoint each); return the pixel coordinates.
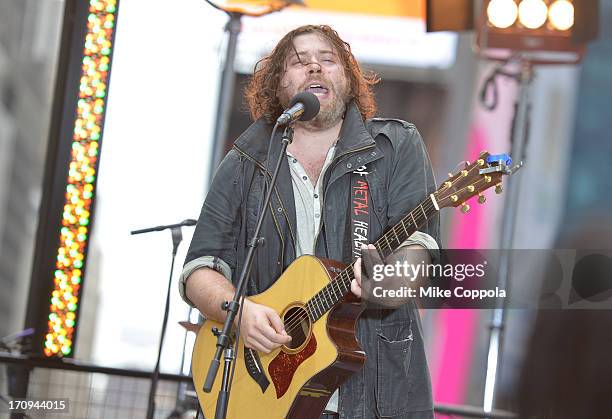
(327, 297)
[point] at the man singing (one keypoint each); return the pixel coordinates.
(309, 213)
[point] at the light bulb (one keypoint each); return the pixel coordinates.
(561, 14)
(502, 13)
(532, 13)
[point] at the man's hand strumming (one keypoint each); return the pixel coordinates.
(262, 329)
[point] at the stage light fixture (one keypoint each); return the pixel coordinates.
(548, 31)
(502, 13)
(560, 25)
(532, 13)
(561, 15)
(253, 8)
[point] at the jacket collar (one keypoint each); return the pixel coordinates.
(353, 136)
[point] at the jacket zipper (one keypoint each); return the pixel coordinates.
(263, 169)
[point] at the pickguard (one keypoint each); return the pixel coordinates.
(283, 366)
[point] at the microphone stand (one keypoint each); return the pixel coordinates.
(177, 237)
(224, 344)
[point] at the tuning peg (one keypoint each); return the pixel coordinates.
(465, 208)
(464, 173)
(499, 188)
(470, 188)
(483, 153)
(481, 198)
(480, 162)
(450, 174)
(448, 184)
(454, 198)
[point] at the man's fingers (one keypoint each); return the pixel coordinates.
(263, 329)
(277, 328)
(273, 336)
(275, 321)
(357, 270)
(260, 343)
(355, 288)
(356, 282)
(371, 258)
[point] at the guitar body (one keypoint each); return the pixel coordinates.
(295, 381)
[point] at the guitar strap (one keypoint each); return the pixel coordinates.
(359, 210)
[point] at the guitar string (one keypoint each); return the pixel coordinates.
(429, 203)
(298, 318)
(296, 321)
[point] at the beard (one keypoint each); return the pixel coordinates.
(330, 113)
(328, 116)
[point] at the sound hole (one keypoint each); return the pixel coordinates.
(297, 325)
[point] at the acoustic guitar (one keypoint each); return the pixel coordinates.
(312, 298)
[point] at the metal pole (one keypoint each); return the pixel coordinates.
(226, 92)
(177, 237)
(498, 319)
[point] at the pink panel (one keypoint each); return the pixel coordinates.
(455, 329)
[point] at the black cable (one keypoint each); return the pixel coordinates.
(513, 123)
(214, 5)
(527, 131)
(490, 85)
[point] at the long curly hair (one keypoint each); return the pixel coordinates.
(261, 91)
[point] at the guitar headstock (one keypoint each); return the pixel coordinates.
(474, 179)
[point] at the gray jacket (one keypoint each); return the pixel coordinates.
(395, 380)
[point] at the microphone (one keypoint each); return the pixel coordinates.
(186, 223)
(304, 106)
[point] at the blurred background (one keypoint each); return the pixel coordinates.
(156, 153)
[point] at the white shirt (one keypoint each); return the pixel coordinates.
(308, 206)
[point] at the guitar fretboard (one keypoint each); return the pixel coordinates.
(329, 295)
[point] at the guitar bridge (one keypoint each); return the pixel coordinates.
(255, 369)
